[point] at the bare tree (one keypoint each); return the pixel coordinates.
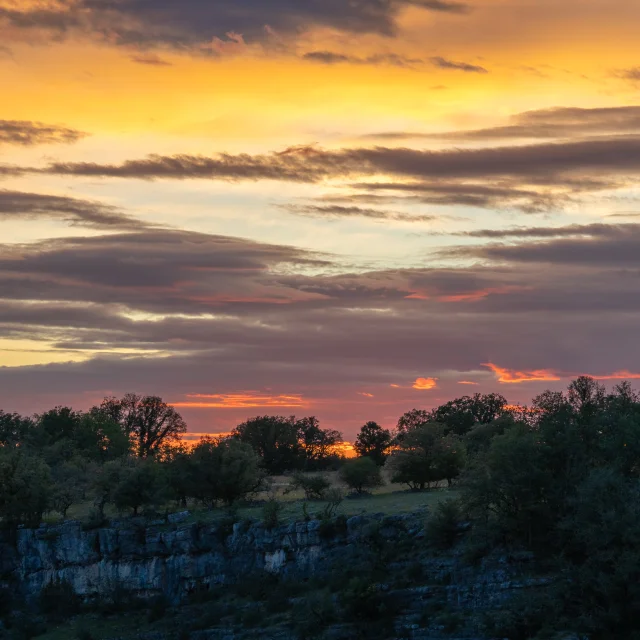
(147, 420)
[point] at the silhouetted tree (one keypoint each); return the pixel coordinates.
(425, 455)
(275, 441)
(317, 445)
(460, 415)
(373, 442)
(147, 420)
(14, 429)
(410, 420)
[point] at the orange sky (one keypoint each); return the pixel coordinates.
(346, 210)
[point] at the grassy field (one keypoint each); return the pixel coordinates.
(390, 499)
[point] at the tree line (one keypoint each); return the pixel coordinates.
(130, 453)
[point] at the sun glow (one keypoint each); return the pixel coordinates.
(248, 400)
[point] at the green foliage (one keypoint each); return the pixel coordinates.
(140, 483)
(313, 614)
(223, 470)
(313, 485)
(271, 513)
(373, 442)
(71, 481)
(425, 455)
(443, 526)
(362, 601)
(361, 474)
(25, 488)
(58, 600)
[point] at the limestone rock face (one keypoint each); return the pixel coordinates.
(172, 559)
(175, 559)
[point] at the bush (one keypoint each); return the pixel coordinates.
(361, 474)
(271, 514)
(313, 485)
(157, 609)
(443, 526)
(58, 600)
(313, 614)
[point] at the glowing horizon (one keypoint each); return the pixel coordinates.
(340, 211)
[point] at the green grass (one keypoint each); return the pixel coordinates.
(390, 499)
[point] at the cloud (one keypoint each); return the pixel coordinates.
(606, 245)
(150, 59)
(19, 205)
(26, 133)
(558, 122)
(511, 376)
(336, 211)
(632, 73)
(505, 195)
(443, 63)
(181, 314)
(193, 24)
(393, 59)
(531, 178)
(575, 230)
(577, 164)
(425, 384)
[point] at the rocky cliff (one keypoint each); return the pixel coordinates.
(177, 560)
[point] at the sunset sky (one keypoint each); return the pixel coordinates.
(340, 208)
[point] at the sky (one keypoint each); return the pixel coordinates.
(339, 208)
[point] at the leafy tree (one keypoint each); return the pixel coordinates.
(14, 429)
(511, 485)
(55, 425)
(275, 441)
(360, 474)
(140, 484)
(180, 474)
(460, 415)
(101, 438)
(410, 420)
(70, 483)
(147, 420)
(317, 445)
(225, 470)
(426, 455)
(479, 439)
(373, 442)
(105, 483)
(25, 483)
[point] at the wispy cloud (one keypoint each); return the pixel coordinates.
(26, 133)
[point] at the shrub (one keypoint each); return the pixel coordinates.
(313, 485)
(271, 514)
(58, 600)
(361, 474)
(313, 614)
(443, 526)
